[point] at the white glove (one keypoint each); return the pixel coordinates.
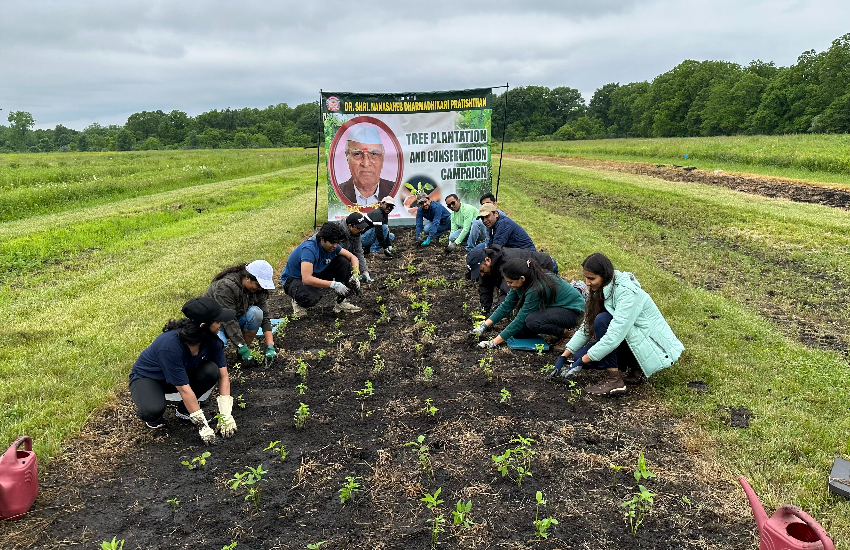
(479, 330)
(226, 424)
(366, 277)
(207, 434)
(486, 344)
(339, 288)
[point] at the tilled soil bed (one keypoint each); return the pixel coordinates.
(576, 439)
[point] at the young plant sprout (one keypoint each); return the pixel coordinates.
(250, 480)
(546, 369)
(392, 283)
(384, 316)
(278, 448)
(231, 546)
(539, 348)
(371, 332)
(516, 462)
(197, 462)
(641, 472)
(175, 503)
(334, 335)
(615, 470)
(348, 490)
(429, 408)
(378, 364)
(302, 369)
(433, 503)
(280, 329)
(113, 545)
(363, 348)
(486, 364)
(366, 392)
(411, 268)
(423, 453)
(477, 318)
(302, 388)
(321, 354)
(574, 392)
(637, 508)
(240, 402)
(428, 373)
(506, 396)
(418, 348)
(542, 525)
(301, 415)
(316, 545)
(461, 514)
(428, 330)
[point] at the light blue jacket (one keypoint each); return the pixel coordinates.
(637, 320)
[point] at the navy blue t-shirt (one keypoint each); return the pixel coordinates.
(310, 251)
(169, 359)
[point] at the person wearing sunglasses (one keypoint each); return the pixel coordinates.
(379, 238)
(244, 288)
(432, 219)
(364, 152)
(462, 218)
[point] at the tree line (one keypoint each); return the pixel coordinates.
(695, 98)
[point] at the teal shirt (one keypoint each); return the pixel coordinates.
(566, 297)
(462, 219)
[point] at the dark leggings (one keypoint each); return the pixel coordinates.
(621, 358)
(552, 320)
(307, 296)
(149, 394)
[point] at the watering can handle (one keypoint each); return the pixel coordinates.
(23, 440)
(813, 525)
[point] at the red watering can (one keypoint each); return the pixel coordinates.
(18, 479)
(789, 529)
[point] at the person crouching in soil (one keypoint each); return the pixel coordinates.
(244, 288)
(187, 358)
(547, 304)
(622, 329)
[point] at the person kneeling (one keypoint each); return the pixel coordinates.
(187, 358)
(547, 304)
(320, 262)
(622, 329)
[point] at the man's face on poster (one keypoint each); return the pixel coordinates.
(365, 160)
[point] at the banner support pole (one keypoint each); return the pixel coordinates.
(504, 127)
(318, 156)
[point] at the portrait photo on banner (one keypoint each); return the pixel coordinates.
(367, 162)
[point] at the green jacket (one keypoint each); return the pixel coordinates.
(463, 218)
(638, 321)
(566, 297)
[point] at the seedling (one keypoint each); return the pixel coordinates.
(316, 545)
(539, 348)
(428, 330)
(477, 319)
(114, 545)
(435, 283)
(542, 525)
(428, 373)
(423, 453)
(417, 348)
(301, 415)
(230, 546)
(371, 332)
(637, 508)
(429, 408)
(321, 354)
(250, 480)
(686, 500)
(378, 364)
(302, 369)
(363, 348)
(366, 392)
(615, 469)
(240, 402)
(278, 448)
(433, 503)
(461, 514)
(384, 316)
(641, 472)
(486, 363)
(197, 462)
(516, 462)
(379, 299)
(302, 388)
(411, 268)
(573, 391)
(335, 334)
(175, 504)
(349, 489)
(546, 369)
(393, 283)
(506, 396)
(280, 329)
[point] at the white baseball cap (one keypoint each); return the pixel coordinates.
(262, 271)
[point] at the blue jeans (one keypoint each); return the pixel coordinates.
(445, 225)
(621, 358)
(478, 233)
(471, 238)
(370, 239)
(251, 321)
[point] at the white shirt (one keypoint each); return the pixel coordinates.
(365, 201)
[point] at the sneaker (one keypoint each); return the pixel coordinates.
(156, 424)
(346, 306)
(181, 413)
(298, 311)
(612, 383)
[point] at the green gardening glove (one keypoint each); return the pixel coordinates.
(244, 352)
(270, 352)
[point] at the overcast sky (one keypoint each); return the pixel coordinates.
(75, 62)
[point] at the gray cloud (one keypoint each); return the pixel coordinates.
(90, 60)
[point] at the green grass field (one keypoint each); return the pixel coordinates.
(809, 157)
(87, 284)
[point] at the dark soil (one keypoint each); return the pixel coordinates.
(766, 186)
(125, 492)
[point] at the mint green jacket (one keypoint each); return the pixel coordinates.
(638, 321)
(462, 219)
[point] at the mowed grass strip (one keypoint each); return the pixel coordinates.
(35, 184)
(811, 157)
(797, 395)
(75, 329)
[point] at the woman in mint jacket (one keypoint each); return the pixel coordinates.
(622, 328)
(547, 304)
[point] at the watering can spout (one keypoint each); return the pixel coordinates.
(755, 503)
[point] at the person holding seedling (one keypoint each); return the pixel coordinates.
(379, 238)
(622, 329)
(432, 219)
(462, 217)
(320, 262)
(353, 226)
(547, 304)
(244, 288)
(502, 230)
(187, 358)
(485, 266)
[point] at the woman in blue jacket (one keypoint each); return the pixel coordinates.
(622, 329)
(547, 304)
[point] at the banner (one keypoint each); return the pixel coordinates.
(397, 145)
